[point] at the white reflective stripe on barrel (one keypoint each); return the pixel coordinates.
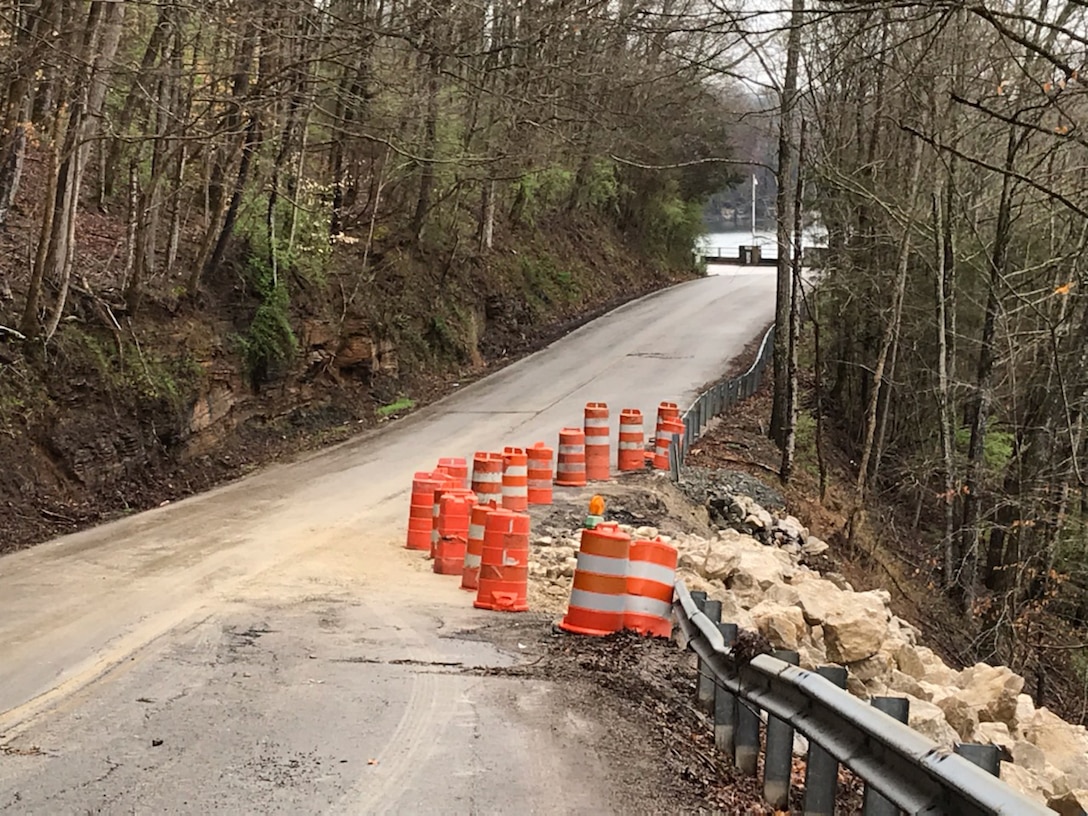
(648, 606)
(652, 572)
(571, 467)
(597, 601)
(567, 450)
(476, 532)
(472, 560)
(630, 446)
(484, 478)
(596, 423)
(515, 490)
(540, 484)
(517, 470)
(596, 441)
(602, 565)
(627, 427)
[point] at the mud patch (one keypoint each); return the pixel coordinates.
(645, 688)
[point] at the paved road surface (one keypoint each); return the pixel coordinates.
(285, 648)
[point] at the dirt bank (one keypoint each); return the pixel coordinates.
(121, 412)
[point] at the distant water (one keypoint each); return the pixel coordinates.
(728, 243)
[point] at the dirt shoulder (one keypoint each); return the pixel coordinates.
(643, 689)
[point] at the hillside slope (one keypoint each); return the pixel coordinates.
(120, 412)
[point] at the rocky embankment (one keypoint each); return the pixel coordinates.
(764, 568)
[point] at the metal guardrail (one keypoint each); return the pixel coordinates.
(716, 400)
(902, 769)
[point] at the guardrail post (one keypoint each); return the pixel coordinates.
(987, 757)
(822, 771)
(705, 697)
(778, 762)
(746, 757)
(875, 804)
(725, 703)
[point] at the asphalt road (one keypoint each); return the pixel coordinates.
(271, 647)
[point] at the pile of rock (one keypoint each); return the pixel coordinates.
(754, 567)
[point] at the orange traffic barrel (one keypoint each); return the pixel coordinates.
(540, 473)
(515, 479)
(457, 468)
(470, 569)
(665, 411)
(487, 477)
(669, 433)
(453, 524)
(570, 470)
(448, 485)
(504, 563)
(421, 512)
(651, 573)
(632, 441)
(598, 451)
(662, 441)
(598, 598)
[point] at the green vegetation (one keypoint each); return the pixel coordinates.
(127, 370)
(401, 404)
(269, 341)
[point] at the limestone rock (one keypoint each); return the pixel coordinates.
(756, 571)
(817, 598)
(785, 594)
(923, 664)
(961, 715)
(935, 692)
(1028, 755)
(791, 529)
(995, 733)
(732, 611)
(992, 690)
(928, 720)
(646, 533)
(910, 662)
(855, 627)
(872, 668)
(905, 684)
(782, 625)
(750, 514)
(1065, 746)
(857, 688)
(814, 546)
(1025, 711)
(1023, 780)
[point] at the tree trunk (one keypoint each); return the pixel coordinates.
(784, 203)
(891, 330)
(945, 407)
(790, 442)
(979, 411)
(427, 154)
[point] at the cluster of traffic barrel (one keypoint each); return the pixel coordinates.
(476, 524)
(476, 527)
(620, 583)
(585, 454)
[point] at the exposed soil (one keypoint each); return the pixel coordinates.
(646, 687)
